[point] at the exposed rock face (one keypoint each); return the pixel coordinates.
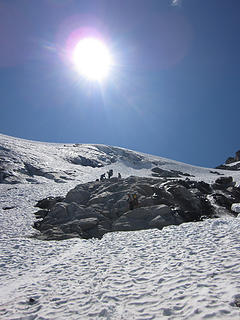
(80, 160)
(159, 172)
(232, 163)
(237, 156)
(95, 208)
(223, 183)
(48, 203)
(146, 218)
(230, 160)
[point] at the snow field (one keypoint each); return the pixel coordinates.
(189, 271)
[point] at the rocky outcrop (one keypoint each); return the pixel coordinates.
(95, 208)
(86, 162)
(159, 172)
(48, 203)
(232, 163)
(157, 216)
(223, 183)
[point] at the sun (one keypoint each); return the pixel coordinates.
(92, 59)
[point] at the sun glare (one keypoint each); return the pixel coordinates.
(92, 59)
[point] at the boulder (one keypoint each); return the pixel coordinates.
(162, 221)
(41, 214)
(223, 183)
(48, 203)
(76, 211)
(58, 213)
(103, 198)
(80, 225)
(88, 223)
(223, 200)
(140, 218)
(185, 198)
(56, 233)
(94, 208)
(78, 195)
(144, 189)
(204, 187)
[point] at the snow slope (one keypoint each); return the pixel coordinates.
(189, 271)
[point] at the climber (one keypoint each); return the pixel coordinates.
(102, 177)
(110, 173)
(119, 175)
(135, 200)
(130, 201)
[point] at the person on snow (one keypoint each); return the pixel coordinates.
(110, 173)
(102, 177)
(119, 175)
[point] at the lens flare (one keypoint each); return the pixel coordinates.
(92, 59)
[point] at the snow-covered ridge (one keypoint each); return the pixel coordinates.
(23, 161)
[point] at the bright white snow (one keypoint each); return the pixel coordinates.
(189, 271)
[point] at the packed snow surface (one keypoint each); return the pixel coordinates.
(189, 271)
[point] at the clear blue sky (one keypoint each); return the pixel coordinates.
(174, 90)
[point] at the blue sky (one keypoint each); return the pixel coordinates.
(174, 90)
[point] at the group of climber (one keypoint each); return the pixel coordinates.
(109, 175)
(132, 197)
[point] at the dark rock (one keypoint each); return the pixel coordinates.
(184, 197)
(48, 203)
(80, 160)
(55, 233)
(235, 193)
(3, 175)
(236, 302)
(32, 300)
(88, 223)
(223, 167)
(216, 172)
(95, 208)
(35, 171)
(237, 156)
(158, 172)
(204, 187)
(41, 214)
(145, 218)
(232, 163)
(223, 200)
(180, 173)
(8, 208)
(230, 160)
(223, 183)
(225, 180)
(78, 195)
(59, 213)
